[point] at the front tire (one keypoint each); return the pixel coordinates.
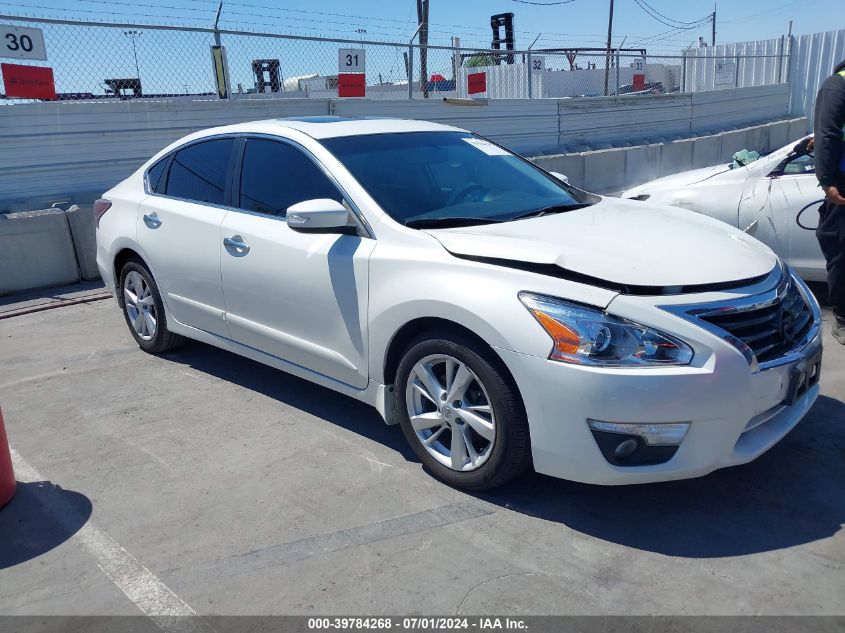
(461, 413)
(144, 310)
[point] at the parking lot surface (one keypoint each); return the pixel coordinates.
(212, 484)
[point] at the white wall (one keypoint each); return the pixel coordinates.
(813, 60)
(753, 64)
(61, 148)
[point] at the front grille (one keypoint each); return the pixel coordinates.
(770, 330)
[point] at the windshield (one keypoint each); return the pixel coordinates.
(450, 178)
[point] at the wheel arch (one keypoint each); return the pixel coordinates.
(405, 335)
(122, 256)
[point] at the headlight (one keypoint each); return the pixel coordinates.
(590, 337)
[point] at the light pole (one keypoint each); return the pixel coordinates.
(134, 34)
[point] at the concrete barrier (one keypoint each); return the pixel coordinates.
(732, 142)
(36, 251)
(570, 165)
(676, 156)
(84, 234)
(605, 171)
(642, 163)
(706, 151)
(778, 134)
(797, 128)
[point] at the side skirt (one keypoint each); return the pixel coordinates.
(375, 394)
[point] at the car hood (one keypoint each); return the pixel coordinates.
(623, 242)
(686, 178)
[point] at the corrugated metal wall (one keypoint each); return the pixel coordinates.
(737, 65)
(61, 148)
(813, 60)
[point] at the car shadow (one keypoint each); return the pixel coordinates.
(339, 409)
(791, 495)
(32, 523)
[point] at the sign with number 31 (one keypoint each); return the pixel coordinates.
(351, 60)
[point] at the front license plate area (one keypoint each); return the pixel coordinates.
(805, 374)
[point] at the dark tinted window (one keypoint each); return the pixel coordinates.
(277, 175)
(417, 176)
(198, 172)
(156, 182)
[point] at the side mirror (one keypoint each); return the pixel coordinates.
(560, 177)
(317, 215)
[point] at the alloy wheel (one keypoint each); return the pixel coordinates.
(140, 306)
(450, 412)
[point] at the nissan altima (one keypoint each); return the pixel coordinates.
(503, 318)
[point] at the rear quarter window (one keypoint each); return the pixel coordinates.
(155, 179)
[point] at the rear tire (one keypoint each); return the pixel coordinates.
(472, 432)
(144, 310)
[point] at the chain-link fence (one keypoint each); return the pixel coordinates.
(91, 60)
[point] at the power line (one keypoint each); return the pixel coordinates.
(664, 16)
(669, 21)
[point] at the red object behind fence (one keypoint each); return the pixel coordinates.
(351, 85)
(28, 82)
(639, 83)
(7, 475)
(476, 83)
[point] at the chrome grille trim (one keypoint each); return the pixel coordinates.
(784, 291)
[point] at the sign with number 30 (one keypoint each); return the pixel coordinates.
(21, 43)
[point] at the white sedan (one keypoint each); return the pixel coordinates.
(764, 199)
(502, 317)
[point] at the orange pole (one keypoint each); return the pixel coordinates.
(7, 475)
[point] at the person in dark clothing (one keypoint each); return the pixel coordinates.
(829, 150)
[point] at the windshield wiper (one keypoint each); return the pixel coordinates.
(430, 223)
(556, 208)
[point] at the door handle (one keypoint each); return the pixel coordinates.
(152, 220)
(236, 243)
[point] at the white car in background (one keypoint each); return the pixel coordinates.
(762, 199)
(502, 317)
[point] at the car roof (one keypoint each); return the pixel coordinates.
(322, 127)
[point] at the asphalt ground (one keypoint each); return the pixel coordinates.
(202, 482)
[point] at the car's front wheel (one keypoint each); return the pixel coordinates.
(461, 414)
(144, 310)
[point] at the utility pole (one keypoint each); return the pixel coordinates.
(422, 20)
(609, 37)
(713, 35)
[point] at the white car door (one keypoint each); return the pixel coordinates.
(795, 190)
(299, 296)
(179, 232)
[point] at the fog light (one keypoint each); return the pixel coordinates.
(669, 434)
(625, 448)
(637, 444)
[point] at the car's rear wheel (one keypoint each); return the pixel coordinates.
(461, 413)
(144, 311)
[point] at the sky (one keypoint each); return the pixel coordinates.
(179, 61)
(569, 23)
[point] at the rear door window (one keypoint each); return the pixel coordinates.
(199, 172)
